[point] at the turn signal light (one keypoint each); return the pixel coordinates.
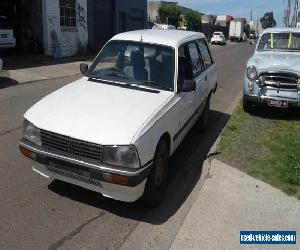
(27, 153)
(117, 179)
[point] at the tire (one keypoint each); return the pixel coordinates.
(157, 180)
(202, 123)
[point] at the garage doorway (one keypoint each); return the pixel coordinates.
(25, 18)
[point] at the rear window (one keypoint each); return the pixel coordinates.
(4, 23)
(217, 34)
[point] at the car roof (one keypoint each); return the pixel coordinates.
(282, 29)
(172, 38)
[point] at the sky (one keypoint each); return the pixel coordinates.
(239, 8)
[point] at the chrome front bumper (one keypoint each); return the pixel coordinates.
(119, 183)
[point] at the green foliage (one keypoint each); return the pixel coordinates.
(247, 29)
(266, 148)
(193, 20)
(169, 13)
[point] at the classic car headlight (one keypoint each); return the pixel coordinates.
(252, 73)
(122, 156)
(31, 133)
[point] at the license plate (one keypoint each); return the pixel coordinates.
(278, 103)
(71, 169)
(3, 35)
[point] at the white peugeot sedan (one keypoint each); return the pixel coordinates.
(114, 130)
(7, 38)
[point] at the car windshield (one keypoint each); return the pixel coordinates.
(135, 63)
(280, 41)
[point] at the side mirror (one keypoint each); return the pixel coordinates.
(187, 86)
(83, 68)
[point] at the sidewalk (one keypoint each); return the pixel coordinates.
(231, 201)
(26, 75)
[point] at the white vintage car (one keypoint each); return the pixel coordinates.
(273, 72)
(114, 130)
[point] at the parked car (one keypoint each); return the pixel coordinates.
(7, 39)
(163, 27)
(114, 130)
(273, 72)
(218, 38)
(245, 37)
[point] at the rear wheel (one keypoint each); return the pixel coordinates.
(157, 180)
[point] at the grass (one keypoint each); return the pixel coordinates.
(266, 146)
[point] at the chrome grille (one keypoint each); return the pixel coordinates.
(64, 144)
(279, 80)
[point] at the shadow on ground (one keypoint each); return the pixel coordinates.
(290, 114)
(7, 82)
(185, 170)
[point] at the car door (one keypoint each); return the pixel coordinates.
(209, 69)
(185, 72)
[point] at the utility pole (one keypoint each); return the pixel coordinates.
(251, 15)
(296, 13)
(288, 13)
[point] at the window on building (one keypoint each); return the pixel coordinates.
(67, 13)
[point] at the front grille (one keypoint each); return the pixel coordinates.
(64, 144)
(279, 80)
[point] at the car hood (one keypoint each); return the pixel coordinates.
(283, 61)
(96, 112)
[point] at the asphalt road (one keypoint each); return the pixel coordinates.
(38, 214)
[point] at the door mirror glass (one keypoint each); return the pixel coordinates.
(84, 68)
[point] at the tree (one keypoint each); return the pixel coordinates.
(267, 21)
(193, 20)
(169, 13)
(247, 29)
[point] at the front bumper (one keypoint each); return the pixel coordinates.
(117, 183)
(263, 99)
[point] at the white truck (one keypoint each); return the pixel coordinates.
(236, 31)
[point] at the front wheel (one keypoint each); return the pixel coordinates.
(157, 180)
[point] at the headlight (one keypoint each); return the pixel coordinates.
(252, 73)
(31, 133)
(122, 156)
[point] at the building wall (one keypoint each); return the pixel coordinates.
(134, 12)
(64, 41)
(109, 17)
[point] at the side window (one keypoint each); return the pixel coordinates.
(206, 56)
(184, 64)
(195, 58)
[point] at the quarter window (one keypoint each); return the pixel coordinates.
(207, 60)
(67, 10)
